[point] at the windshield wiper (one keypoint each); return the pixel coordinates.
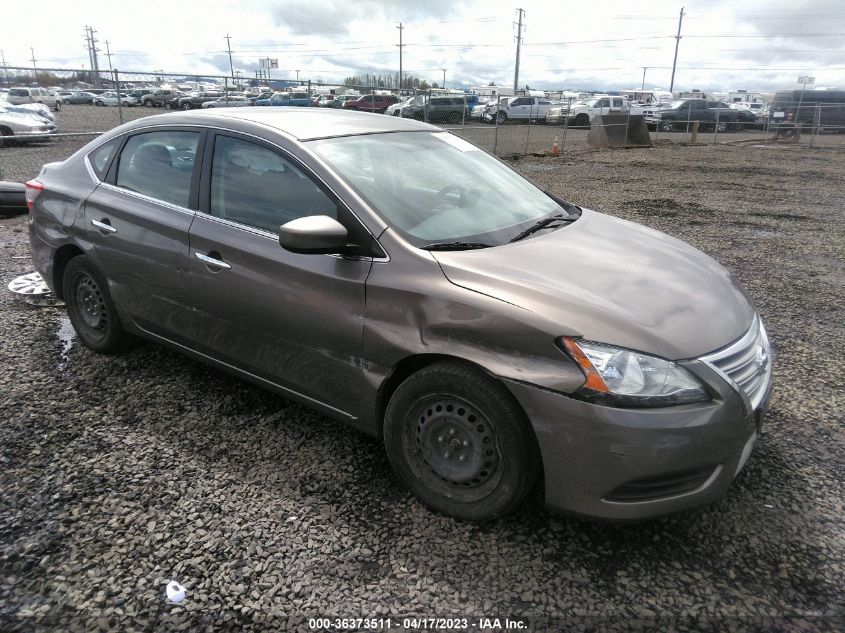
(455, 246)
(539, 225)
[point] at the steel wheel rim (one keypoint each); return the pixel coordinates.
(90, 306)
(452, 448)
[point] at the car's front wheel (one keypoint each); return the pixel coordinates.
(460, 442)
(667, 125)
(90, 307)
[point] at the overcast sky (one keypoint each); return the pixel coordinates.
(726, 44)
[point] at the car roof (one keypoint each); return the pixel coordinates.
(304, 124)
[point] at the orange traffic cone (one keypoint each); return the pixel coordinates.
(555, 148)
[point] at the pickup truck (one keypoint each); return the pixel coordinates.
(520, 109)
(159, 97)
(582, 113)
(679, 115)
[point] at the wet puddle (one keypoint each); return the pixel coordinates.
(66, 336)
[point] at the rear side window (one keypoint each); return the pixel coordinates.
(19, 92)
(255, 186)
(101, 157)
(159, 165)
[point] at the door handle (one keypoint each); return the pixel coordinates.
(213, 261)
(104, 226)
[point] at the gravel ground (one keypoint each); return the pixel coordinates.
(122, 473)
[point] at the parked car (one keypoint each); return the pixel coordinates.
(161, 97)
(396, 108)
(262, 95)
(679, 115)
(12, 199)
(22, 126)
(110, 99)
(371, 103)
(487, 332)
(324, 101)
(300, 99)
(339, 100)
(521, 109)
(22, 96)
(581, 113)
(78, 97)
(809, 108)
(435, 109)
(197, 99)
(233, 101)
(37, 109)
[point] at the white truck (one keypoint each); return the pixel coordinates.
(582, 113)
(522, 108)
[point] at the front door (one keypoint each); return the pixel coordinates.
(295, 320)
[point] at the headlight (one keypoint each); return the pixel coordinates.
(618, 376)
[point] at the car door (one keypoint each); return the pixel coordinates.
(137, 220)
(292, 319)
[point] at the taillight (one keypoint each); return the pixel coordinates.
(33, 189)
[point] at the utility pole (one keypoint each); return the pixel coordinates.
(35, 70)
(518, 43)
(5, 70)
(401, 45)
(443, 85)
(297, 76)
(642, 87)
(92, 54)
(88, 48)
(677, 41)
(229, 46)
(108, 54)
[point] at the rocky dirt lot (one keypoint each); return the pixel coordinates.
(119, 474)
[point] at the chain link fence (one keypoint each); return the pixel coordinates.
(549, 123)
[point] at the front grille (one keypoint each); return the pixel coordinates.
(660, 487)
(746, 364)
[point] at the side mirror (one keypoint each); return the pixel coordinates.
(313, 235)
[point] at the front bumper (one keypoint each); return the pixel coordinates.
(625, 464)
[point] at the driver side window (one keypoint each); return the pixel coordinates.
(256, 186)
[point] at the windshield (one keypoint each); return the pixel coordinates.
(433, 187)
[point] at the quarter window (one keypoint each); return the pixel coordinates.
(101, 157)
(255, 186)
(159, 165)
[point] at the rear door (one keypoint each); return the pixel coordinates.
(294, 320)
(137, 221)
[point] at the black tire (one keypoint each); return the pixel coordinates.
(667, 125)
(186, 106)
(454, 117)
(91, 309)
(720, 126)
(98, 103)
(148, 103)
(501, 118)
(58, 106)
(6, 135)
(489, 458)
(582, 120)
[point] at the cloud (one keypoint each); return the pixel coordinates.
(796, 19)
(331, 17)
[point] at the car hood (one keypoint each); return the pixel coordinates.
(612, 281)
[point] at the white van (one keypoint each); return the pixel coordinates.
(22, 96)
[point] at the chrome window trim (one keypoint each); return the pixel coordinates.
(146, 198)
(755, 332)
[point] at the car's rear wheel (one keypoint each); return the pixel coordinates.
(148, 103)
(460, 442)
(722, 126)
(5, 133)
(90, 307)
(57, 106)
